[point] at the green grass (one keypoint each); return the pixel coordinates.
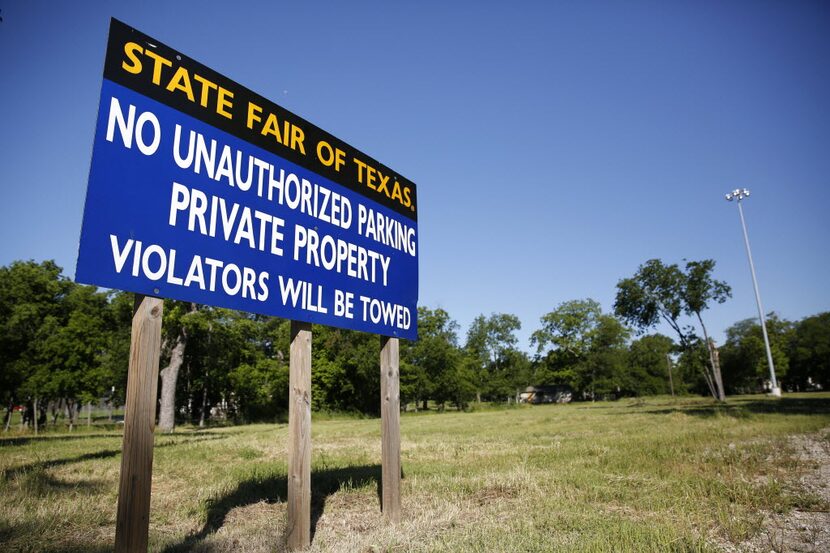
(634, 475)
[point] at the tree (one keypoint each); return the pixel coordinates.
(173, 348)
(457, 383)
(607, 358)
(346, 371)
(434, 366)
(583, 347)
(53, 339)
(115, 358)
(30, 292)
(692, 368)
(568, 328)
(654, 293)
(810, 352)
(744, 353)
(69, 349)
(564, 340)
(428, 364)
(700, 289)
(648, 366)
(664, 292)
(260, 389)
(491, 342)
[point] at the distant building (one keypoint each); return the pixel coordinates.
(546, 394)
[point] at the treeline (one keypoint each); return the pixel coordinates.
(63, 345)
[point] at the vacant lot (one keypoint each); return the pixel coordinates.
(653, 475)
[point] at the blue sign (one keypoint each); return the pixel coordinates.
(202, 191)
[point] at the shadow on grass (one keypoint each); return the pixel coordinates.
(23, 440)
(85, 548)
(37, 466)
(275, 489)
(7, 533)
(738, 408)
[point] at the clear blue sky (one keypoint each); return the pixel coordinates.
(555, 145)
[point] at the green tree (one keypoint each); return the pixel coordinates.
(693, 366)
(664, 292)
(699, 290)
(55, 335)
(457, 383)
(69, 351)
(429, 364)
(260, 389)
(568, 328)
(810, 352)
(606, 362)
(115, 358)
(29, 293)
(491, 345)
(235, 360)
(582, 348)
(174, 344)
(648, 366)
(563, 342)
(346, 375)
(744, 356)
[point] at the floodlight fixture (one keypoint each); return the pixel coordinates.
(738, 194)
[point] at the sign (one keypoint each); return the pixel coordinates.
(202, 190)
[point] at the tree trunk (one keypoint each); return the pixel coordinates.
(204, 407)
(671, 380)
(89, 415)
(71, 411)
(34, 419)
(708, 378)
(478, 396)
(716, 360)
(716, 376)
(169, 375)
(593, 389)
(189, 395)
(56, 408)
(9, 411)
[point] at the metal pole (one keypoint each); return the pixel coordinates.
(776, 391)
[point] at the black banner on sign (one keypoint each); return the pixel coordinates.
(151, 68)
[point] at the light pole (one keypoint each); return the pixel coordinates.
(739, 194)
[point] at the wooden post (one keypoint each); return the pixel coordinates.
(390, 416)
(299, 437)
(133, 518)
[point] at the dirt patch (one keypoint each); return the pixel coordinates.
(494, 493)
(807, 530)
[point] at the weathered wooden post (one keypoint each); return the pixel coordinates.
(390, 415)
(299, 437)
(133, 515)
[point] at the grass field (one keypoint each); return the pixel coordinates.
(633, 475)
